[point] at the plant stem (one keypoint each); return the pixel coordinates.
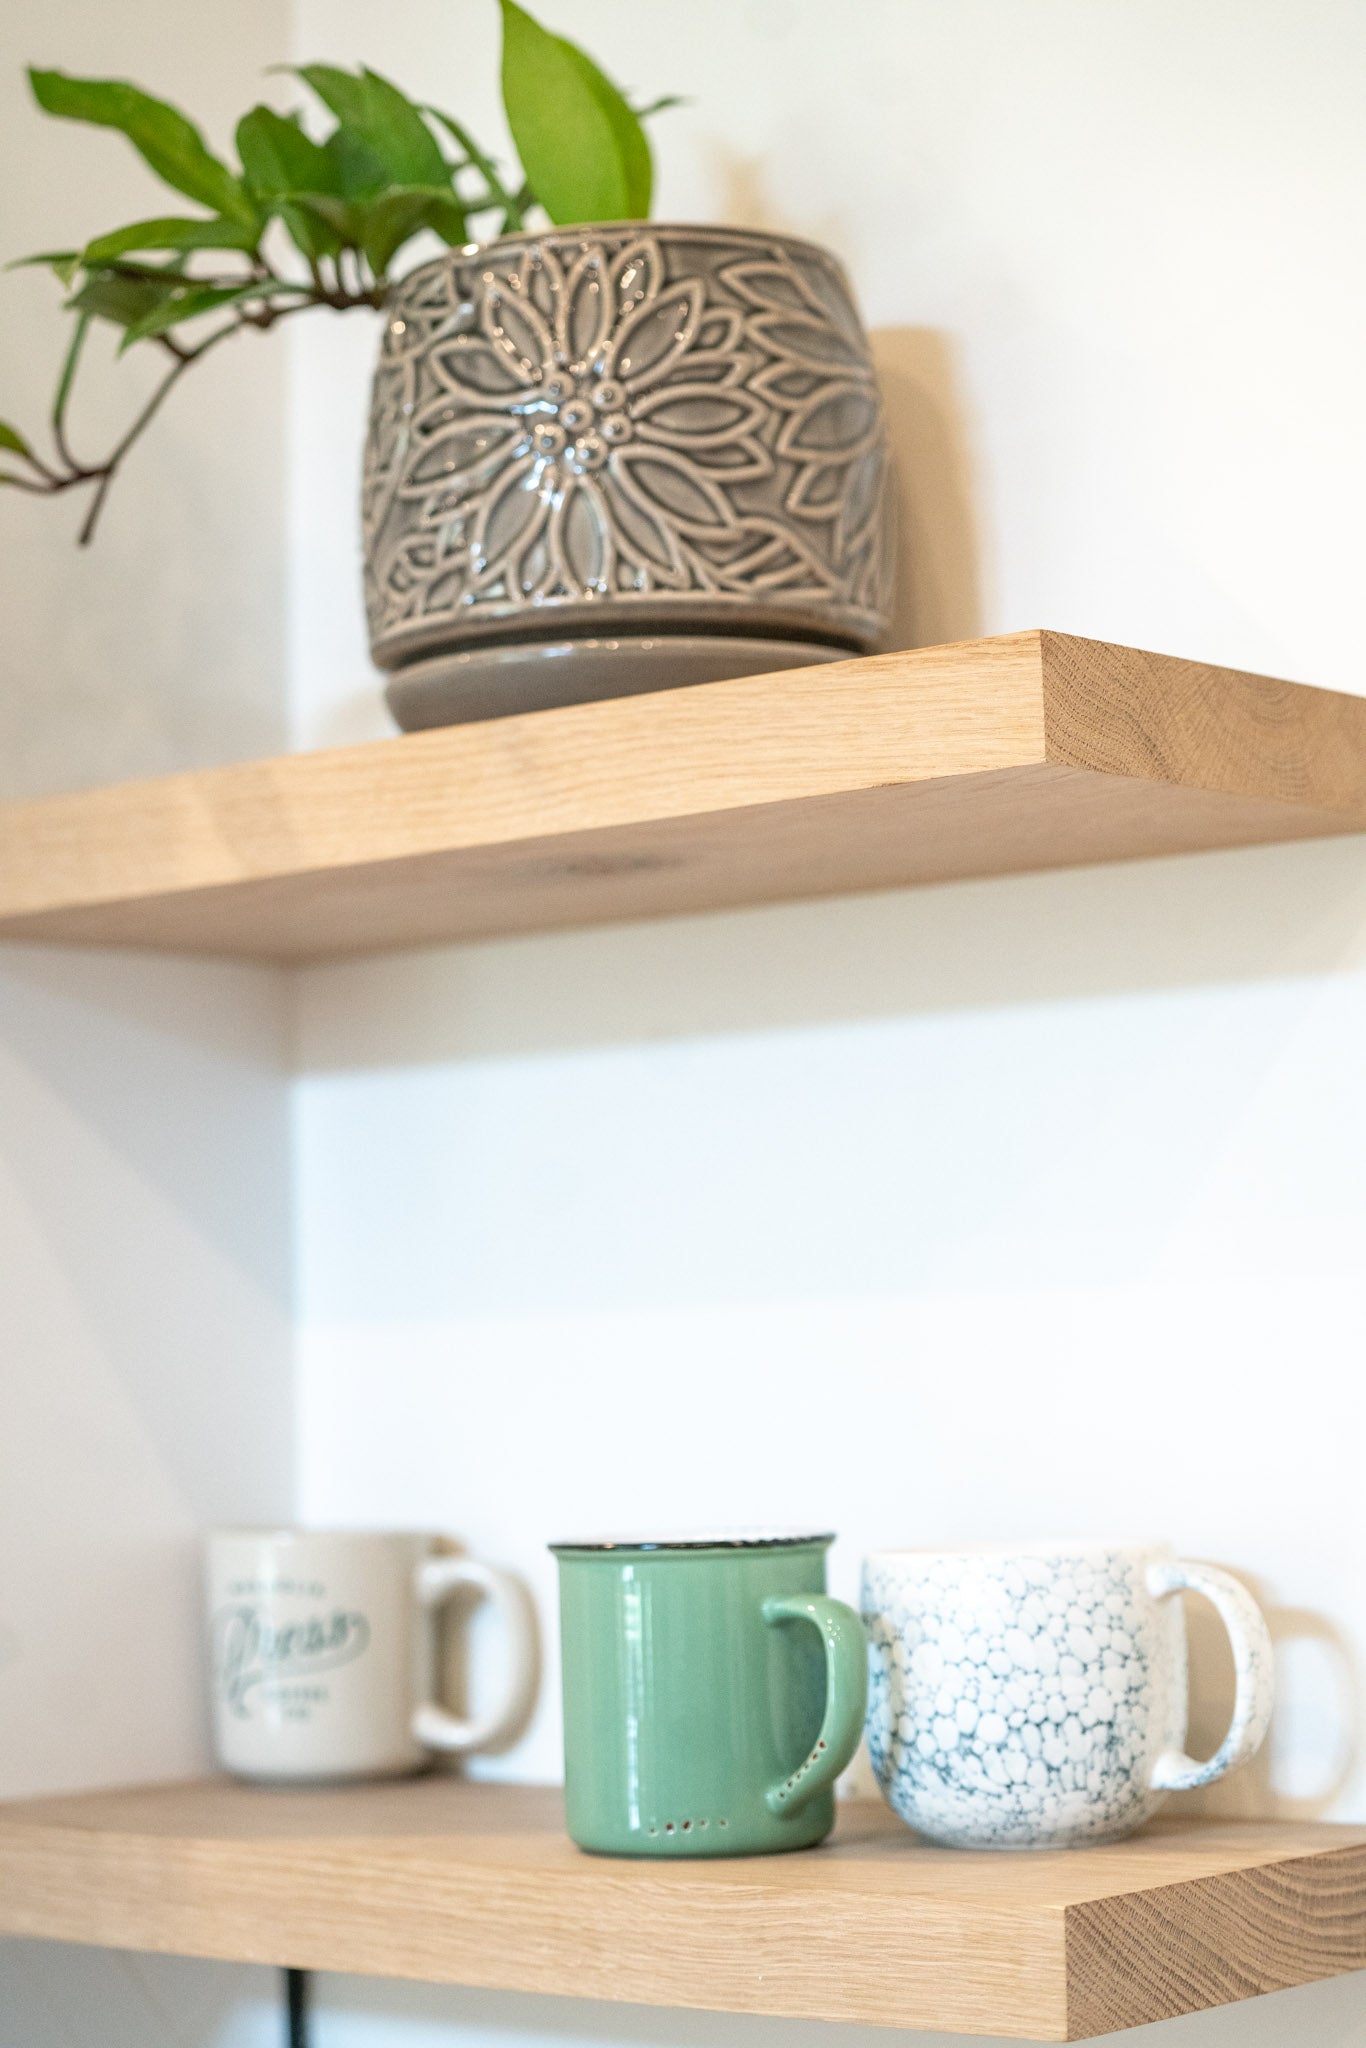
(102, 474)
(514, 219)
(64, 389)
(30, 483)
(108, 470)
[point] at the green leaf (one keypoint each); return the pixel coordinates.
(136, 266)
(279, 161)
(632, 144)
(356, 170)
(48, 256)
(311, 236)
(325, 214)
(105, 295)
(447, 218)
(387, 223)
(191, 304)
(397, 216)
(379, 227)
(162, 136)
(385, 120)
(11, 438)
(170, 232)
(278, 158)
(64, 262)
(184, 305)
(498, 194)
(583, 150)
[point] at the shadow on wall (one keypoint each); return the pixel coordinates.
(1256, 1792)
(144, 1144)
(179, 1034)
(938, 595)
(1260, 914)
(55, 1994)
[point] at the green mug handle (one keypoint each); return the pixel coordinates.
(846, 1696)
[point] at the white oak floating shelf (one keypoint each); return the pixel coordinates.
(1036, 750)
(476, 1884)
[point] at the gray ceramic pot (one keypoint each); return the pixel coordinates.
(662, 442)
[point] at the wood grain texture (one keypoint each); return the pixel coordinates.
(1151, 1955)
(994, 756)
(1120, 711)
(476, 1884)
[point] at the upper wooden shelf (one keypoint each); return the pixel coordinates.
(1031, 751)
(477, 1884)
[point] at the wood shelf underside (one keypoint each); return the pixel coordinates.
(1031, 751)
(455, 1883)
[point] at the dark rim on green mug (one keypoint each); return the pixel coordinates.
(740, 1540)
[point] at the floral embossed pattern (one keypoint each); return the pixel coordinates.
(682, 422)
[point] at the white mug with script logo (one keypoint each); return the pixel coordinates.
(324, 1658)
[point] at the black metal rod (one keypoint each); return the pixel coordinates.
(296, 2008)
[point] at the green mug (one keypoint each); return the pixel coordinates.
(712, 1694)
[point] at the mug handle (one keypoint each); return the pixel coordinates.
(846, 1696)
(1250, 1641)
(436, 1727)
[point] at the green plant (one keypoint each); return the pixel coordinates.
(306, 223)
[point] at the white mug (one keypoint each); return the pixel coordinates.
(1034, 1696)
(323, 1651)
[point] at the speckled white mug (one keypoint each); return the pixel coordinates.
(1034, 1696)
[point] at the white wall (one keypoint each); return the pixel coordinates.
(144, 1265)
(144, 1392)
(161, 646)
(999, 1207)
(144, 1170)
(1008, 1207)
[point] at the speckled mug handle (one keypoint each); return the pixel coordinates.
(846, 1696)
(1250, 1641)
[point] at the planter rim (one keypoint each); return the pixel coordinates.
(714, 230)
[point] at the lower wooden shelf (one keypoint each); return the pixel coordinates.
(477, 1884)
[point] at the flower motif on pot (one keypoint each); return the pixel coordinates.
(676, 423)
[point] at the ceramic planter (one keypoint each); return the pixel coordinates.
(614, 458)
